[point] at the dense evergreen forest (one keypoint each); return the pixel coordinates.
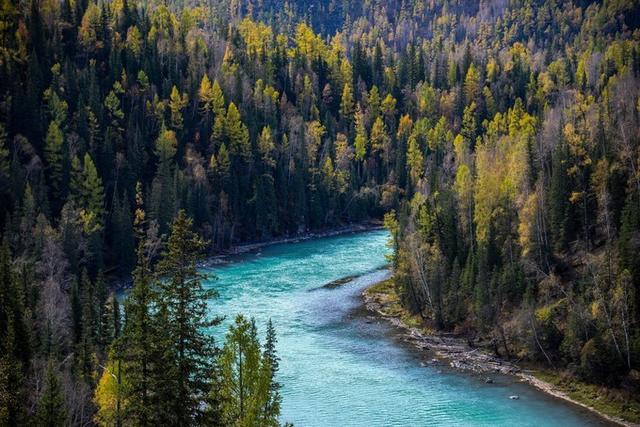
(499, 139)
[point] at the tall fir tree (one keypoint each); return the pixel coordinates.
(51, 410)
(187, 317)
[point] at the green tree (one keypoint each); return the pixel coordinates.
(559, 200)
(361, 142)
(51, 411)
(163, 192)
(415, 159)
(272, 362)
(14, 343)
(137, 340)
(237, 133)
(177, 103)
(185, 300)
(245, 377)
(92, 194)
(53, 153)
(347, 109)
(472, 86)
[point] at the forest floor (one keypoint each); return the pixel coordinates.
(610, 404)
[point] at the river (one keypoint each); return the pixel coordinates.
(340, 367)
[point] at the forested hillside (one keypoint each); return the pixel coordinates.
(501, 138)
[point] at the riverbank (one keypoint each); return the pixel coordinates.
(382, 299)
(300, 237)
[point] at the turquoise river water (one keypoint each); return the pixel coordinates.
(343, 367)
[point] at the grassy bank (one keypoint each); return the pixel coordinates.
(384, 294)
(611, 402)
(614, 405)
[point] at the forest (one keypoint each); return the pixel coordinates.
(499, 140)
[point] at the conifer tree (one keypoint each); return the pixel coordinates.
(177, 103)
(139, 348)
(205, 94)
(361, 141)
(236, 133)
(245, 378)
(559, 200)
(54, 157)
(51, 411)
(12, 410)
(88, 192)
(14, 343)
(187, 318)
(272, 362)
(163, 197)
(347, 107)
(217, 99)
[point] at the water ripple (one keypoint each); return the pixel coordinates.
(337, 369)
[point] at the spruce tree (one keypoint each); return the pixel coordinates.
(163, 197)
(12, 410)
(92, 190)
(51, 411)
(271, 361)
(237, 133)
(54, 157)
(138, 340)
(14, 343)
(559, 200)
(185, 302)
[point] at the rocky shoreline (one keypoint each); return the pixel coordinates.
(454, 350)
(459, 355)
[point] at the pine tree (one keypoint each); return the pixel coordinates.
(51, 411)
(86, 348)
(472, 88)
(347, 107)
(138, 340)
(217, 99)
(265, 197)
(54, 157)
(123, 236)
(186, 313)
(361, 142)
(559, 200)
(163, 197)
(177, 103)
(205, 94)
(12, 410)
(14, 343)
(415, 159)
(469, 125)
(272, 362)
(245, 381)
(236, 133)
(379, 137)
(87, 191)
